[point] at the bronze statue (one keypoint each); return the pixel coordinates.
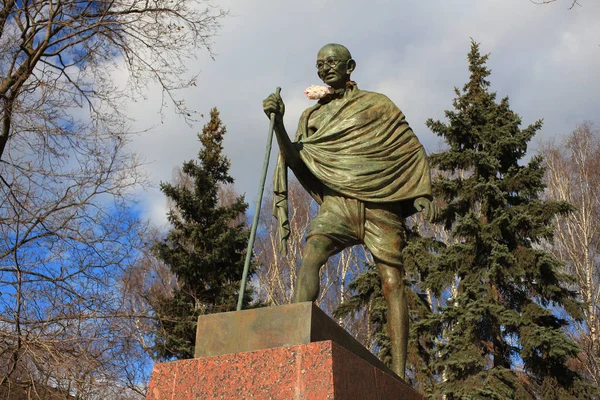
(358, 158)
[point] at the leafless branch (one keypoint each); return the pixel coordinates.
(71, 317)
(573, 175)
(542, 2)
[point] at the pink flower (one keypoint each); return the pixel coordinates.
(317, 92)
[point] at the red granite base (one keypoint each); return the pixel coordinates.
(319, 370)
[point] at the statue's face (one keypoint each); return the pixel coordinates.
(332, 66)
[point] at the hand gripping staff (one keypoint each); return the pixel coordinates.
(259, 196)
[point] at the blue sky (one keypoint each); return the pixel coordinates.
(545, 58)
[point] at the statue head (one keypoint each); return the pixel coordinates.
(334, 65)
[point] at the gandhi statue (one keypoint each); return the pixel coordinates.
(356, 155)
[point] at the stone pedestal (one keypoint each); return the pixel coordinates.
(286, 352)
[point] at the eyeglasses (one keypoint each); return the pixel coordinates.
(331, 62)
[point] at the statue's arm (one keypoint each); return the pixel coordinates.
(286, 146)
(274, 104)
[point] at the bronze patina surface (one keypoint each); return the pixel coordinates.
(271, 327)
(355, 153)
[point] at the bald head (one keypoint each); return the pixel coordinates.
(334, 65)
(340, 50)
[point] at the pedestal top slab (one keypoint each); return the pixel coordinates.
(272, 327)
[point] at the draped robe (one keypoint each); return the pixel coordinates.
(363, 149)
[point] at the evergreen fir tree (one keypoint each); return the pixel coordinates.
(420, 258)
(502, 317)
(205, 247)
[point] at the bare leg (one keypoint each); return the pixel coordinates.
(392, 279)
(316, 252)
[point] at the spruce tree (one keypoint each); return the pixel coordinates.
(205, 247)
(504, 316)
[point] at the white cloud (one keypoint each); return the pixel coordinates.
(544, 58)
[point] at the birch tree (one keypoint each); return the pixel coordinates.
(573, 175)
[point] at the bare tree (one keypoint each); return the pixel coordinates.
(573, 175)
(57, 55)
(68, 235)
(573, 3)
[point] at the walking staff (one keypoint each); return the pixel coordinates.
(259, 196)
